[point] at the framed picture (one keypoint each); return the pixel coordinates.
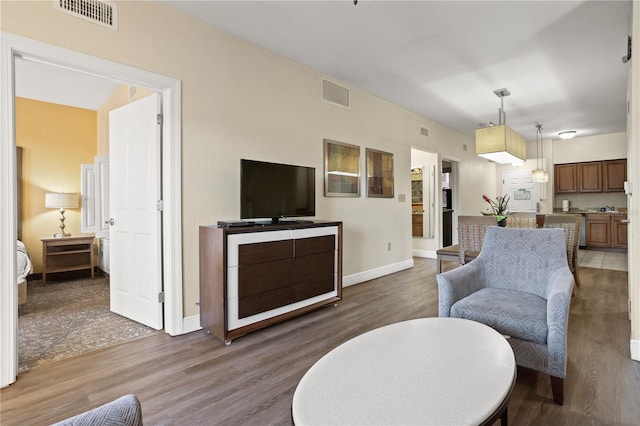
(379, 174)
(341, 169)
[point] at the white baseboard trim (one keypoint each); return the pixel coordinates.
(635, 350)
(428, 254)
(361, 277)
(190, 324)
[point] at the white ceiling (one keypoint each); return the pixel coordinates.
(561, 60)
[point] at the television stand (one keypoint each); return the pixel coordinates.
(253, 277)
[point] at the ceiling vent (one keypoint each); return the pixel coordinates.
(335, 94)
(102, 13)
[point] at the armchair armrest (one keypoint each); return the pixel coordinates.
(457, 284)
(558, 301)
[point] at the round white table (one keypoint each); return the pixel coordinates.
(438, 371)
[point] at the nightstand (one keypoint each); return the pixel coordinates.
(66, 254)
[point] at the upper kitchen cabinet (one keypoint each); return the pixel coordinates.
(566, 178)
(590, 177)
(614, 175)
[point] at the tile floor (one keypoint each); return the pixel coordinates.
(603, 260)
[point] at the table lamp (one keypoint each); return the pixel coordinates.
(56, 200)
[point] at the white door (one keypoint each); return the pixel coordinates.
(524, 193)
(134, 192)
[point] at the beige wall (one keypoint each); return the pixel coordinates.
(241, 101)
(612, 146)
(56, 139)
(118, 98)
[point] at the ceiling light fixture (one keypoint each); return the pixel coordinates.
(499, 143)
(539, 174)
(567, 135)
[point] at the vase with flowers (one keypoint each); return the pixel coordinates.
(498, 208)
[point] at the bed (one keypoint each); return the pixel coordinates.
(24, 268)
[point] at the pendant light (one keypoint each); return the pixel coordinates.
(539, 174)
(499, 143)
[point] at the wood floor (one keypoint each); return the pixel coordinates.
(195, 379)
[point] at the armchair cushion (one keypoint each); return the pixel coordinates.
(512, 313)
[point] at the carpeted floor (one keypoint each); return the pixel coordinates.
(68, 318)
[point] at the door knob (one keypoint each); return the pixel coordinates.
(110, 222)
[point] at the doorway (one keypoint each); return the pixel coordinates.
(15, 46)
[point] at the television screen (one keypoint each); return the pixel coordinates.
(271, 190)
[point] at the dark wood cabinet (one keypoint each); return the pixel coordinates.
(604, 230)
(417, 224)
(614, 175)
(254, 277)
(619, 231)
(598, 230)
(566, 178)
(590, 177)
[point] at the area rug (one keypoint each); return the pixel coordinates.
(66, 319)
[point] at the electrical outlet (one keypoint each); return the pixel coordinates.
(389, 246)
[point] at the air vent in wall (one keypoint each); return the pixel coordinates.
(334, 93)
(424, 131)
(102, 13)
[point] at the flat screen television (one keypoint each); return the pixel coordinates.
(276, 191)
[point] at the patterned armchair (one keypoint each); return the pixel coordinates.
(520, 285)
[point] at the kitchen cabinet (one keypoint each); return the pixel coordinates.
(598, 230)
(417, 223)
(614, 173)
(606, 230)
(619, 231)
(590, 177)
(566, 178)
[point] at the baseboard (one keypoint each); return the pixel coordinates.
(371, 274)
(190, 324)
(427, 254)
(635, 350)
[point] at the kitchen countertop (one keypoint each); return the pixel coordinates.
(584, 211)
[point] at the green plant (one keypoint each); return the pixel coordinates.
(498, 208)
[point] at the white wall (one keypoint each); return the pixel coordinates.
(242, 101)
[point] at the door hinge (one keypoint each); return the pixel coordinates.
(160, 205)
(161, 297)
(159, 119)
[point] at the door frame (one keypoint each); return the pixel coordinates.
(12, 45)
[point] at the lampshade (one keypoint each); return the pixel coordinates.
(56, 200)
(567, 135)
(539, 175)
(500, 144)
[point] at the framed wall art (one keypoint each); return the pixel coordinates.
(341, 169)
(379, 174)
